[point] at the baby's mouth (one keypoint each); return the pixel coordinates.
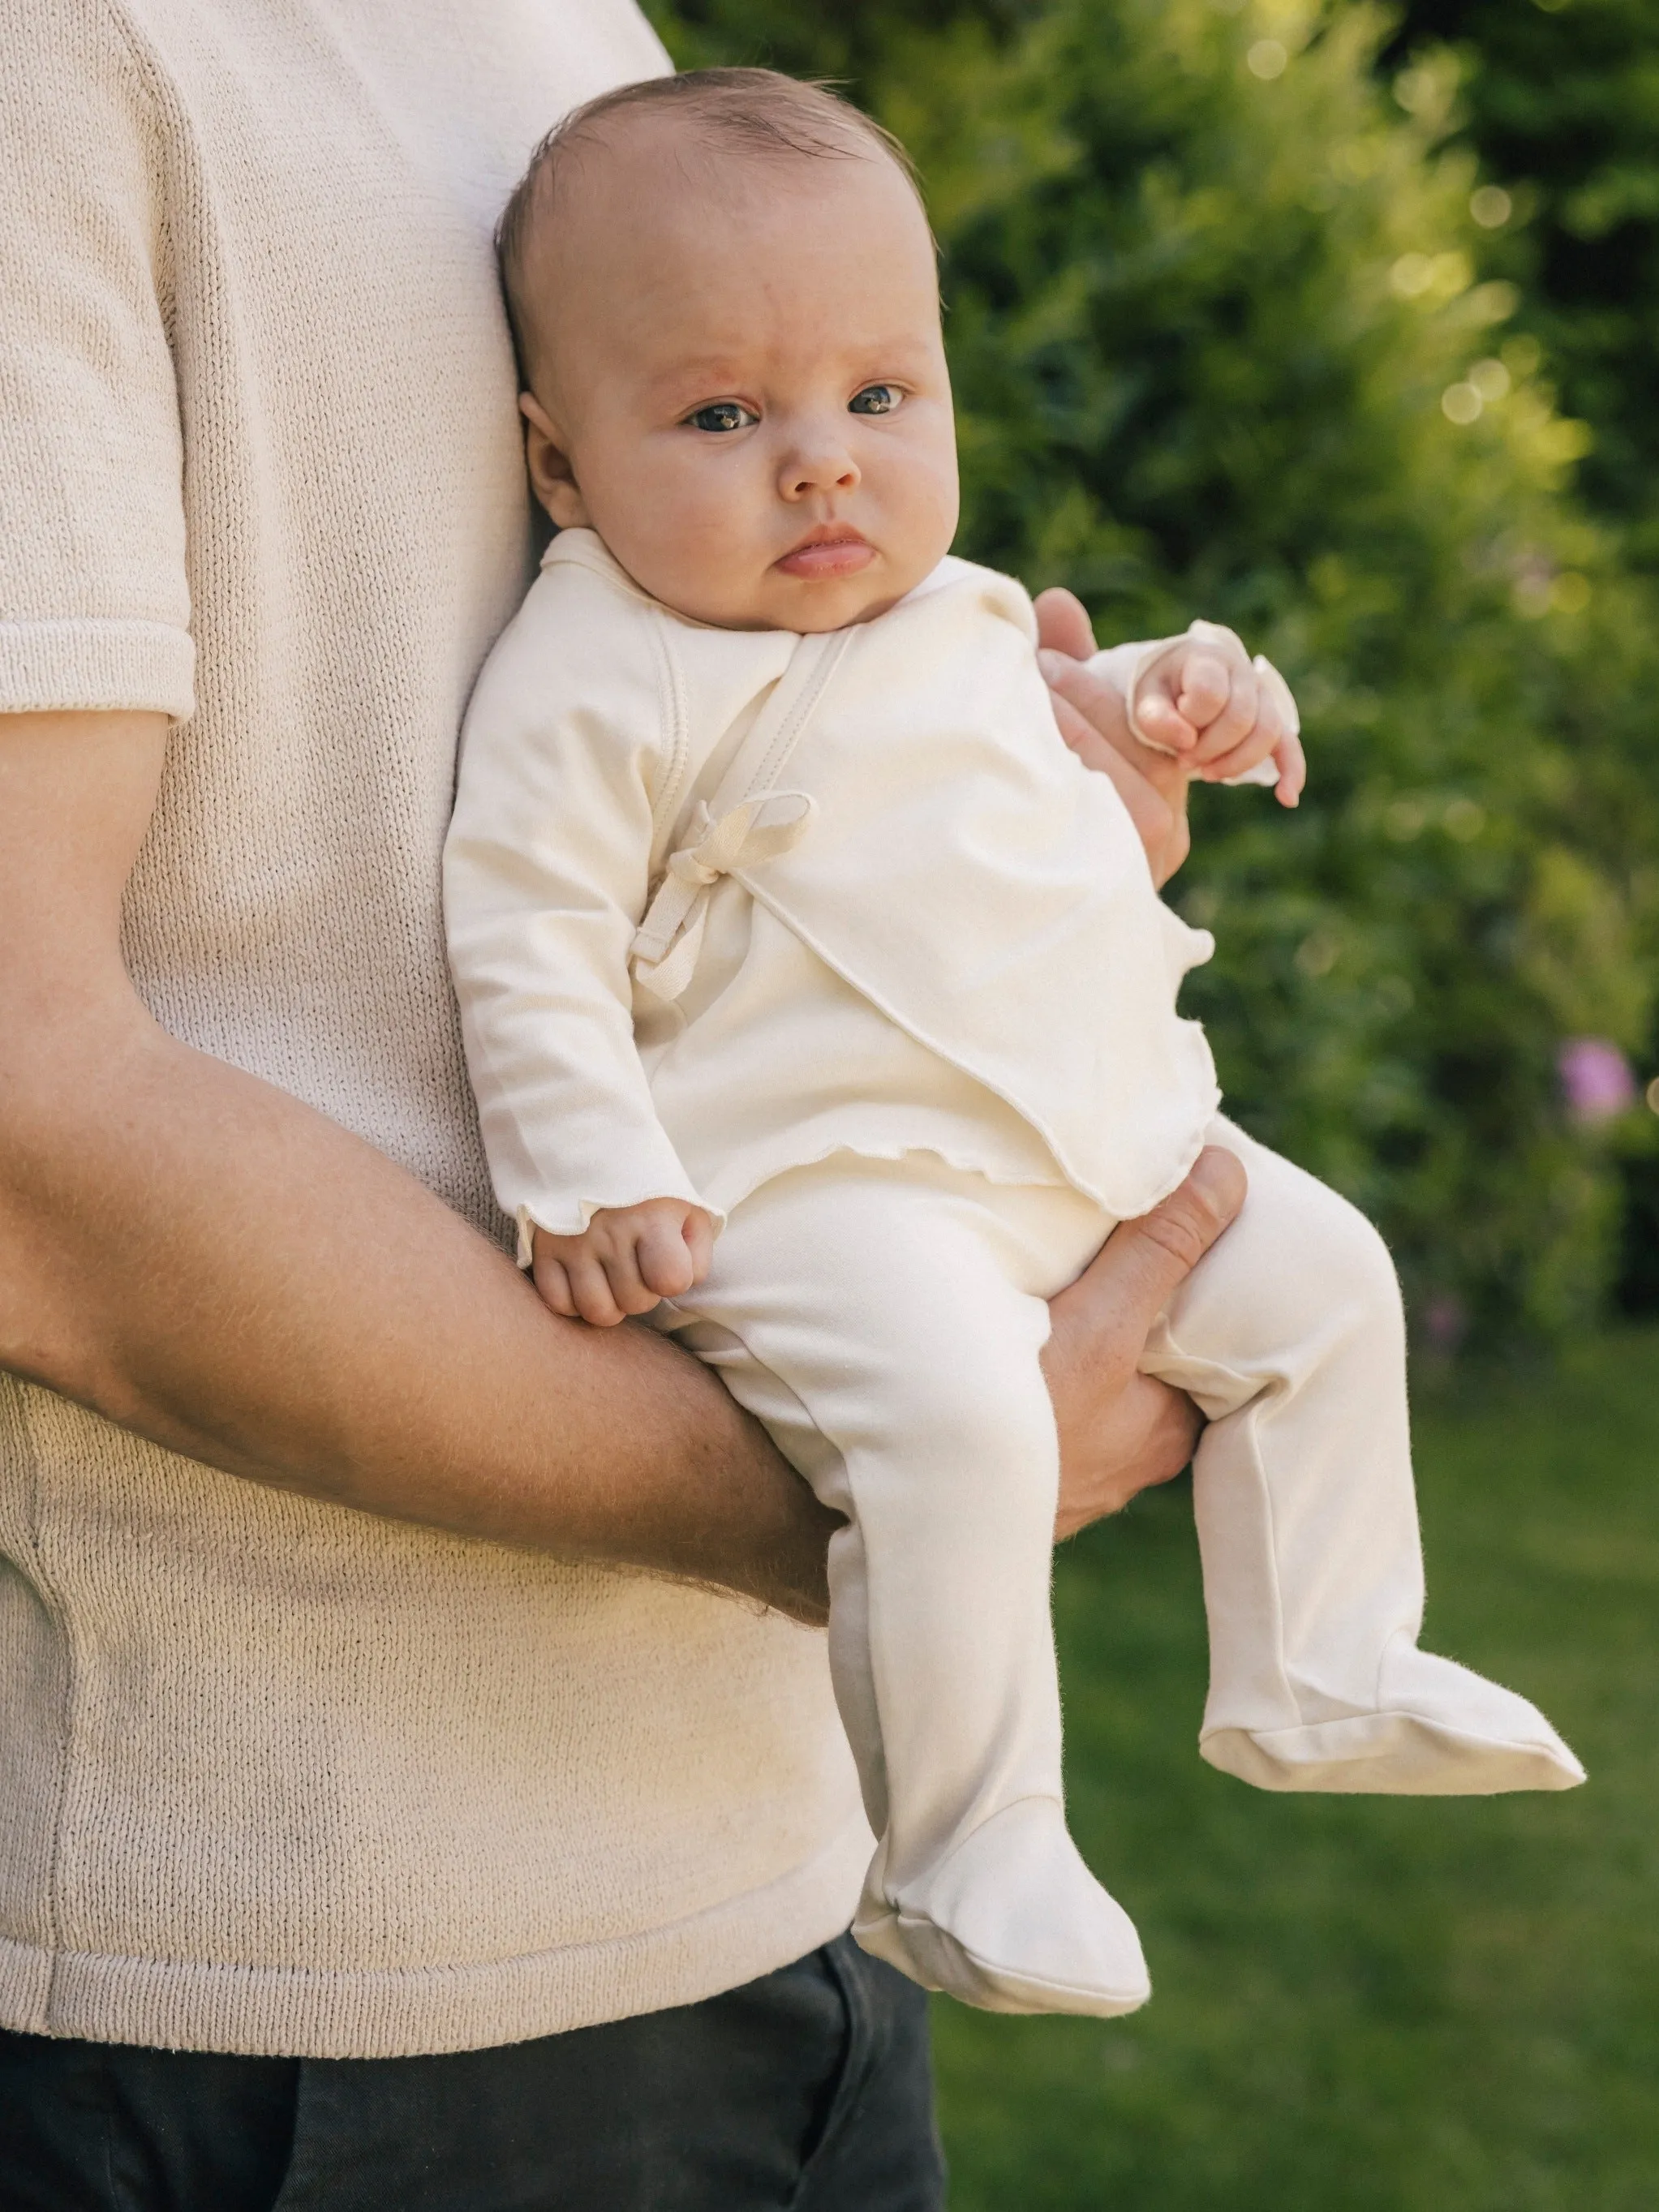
(832, 550)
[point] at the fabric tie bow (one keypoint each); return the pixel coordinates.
(664, 953)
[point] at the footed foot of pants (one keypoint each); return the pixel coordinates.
(1438, 1731)
(1012, 1921)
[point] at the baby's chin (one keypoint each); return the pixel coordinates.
(821, 608)
(811, 604)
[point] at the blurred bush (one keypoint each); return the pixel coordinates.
(1560, 100)
(1225, 341)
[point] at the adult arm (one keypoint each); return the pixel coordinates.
(201, 1258)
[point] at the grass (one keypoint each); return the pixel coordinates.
(1367, 2005)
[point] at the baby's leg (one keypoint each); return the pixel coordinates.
(886, 1323)
(1290, 1336)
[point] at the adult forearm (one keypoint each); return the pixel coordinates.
(202, 1259)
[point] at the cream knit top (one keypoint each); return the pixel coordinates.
(274, 1776)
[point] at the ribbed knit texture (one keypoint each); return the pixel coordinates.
(275, 1777)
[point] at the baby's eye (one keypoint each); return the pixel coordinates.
(722, 414)
(875, 400)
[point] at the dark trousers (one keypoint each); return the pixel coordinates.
(810, 2088)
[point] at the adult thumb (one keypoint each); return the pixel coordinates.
(1144, 1263)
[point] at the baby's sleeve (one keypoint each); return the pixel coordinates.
(546, 868)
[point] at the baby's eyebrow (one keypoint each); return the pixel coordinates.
(696, 380)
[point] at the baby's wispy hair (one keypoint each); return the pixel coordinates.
(757, 112)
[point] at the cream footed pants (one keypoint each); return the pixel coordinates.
(885, 1321)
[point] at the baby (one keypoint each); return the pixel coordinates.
(818, 998)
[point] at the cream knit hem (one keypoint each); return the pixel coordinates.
(259, 2011)
(96, 667)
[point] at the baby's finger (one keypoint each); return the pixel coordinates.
(1202, 687)
(553, 1285)
(1261, 744)
(1157, 717)
(1163, 725)
(663, 1262)
(621, 1271)
(1235, 720)
(590, 1287)
(700, 1243)
(1292, 764)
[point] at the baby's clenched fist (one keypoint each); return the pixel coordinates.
(625, 1260)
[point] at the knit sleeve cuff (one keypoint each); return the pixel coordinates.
(96, 666)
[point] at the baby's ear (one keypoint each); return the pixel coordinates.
(551, 477)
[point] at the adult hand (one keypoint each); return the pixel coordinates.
(1094, 724)
(1122, 1431)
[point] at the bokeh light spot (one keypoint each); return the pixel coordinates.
(1490, 206)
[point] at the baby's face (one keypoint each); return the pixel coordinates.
(742, 385)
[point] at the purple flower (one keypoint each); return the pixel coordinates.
(1596, 1081)
(1445, 1322)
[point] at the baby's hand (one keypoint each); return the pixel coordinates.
(628, 1257)
(1220, 714)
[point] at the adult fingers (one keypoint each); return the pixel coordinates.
(1143, 1262)
(1083, 736)
(1151, 785)
(1118, 1429)
(1156, 1253)
(1063, 623)
(1089, 700)
(1159, 824)
(1143, 1435)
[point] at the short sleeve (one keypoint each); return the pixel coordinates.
(95, 605)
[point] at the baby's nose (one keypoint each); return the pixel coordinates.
(822, 467)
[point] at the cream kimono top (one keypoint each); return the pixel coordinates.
(929, 928)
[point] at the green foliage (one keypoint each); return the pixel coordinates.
(1223, 343)
(1561, 101)
(1365, 2004)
